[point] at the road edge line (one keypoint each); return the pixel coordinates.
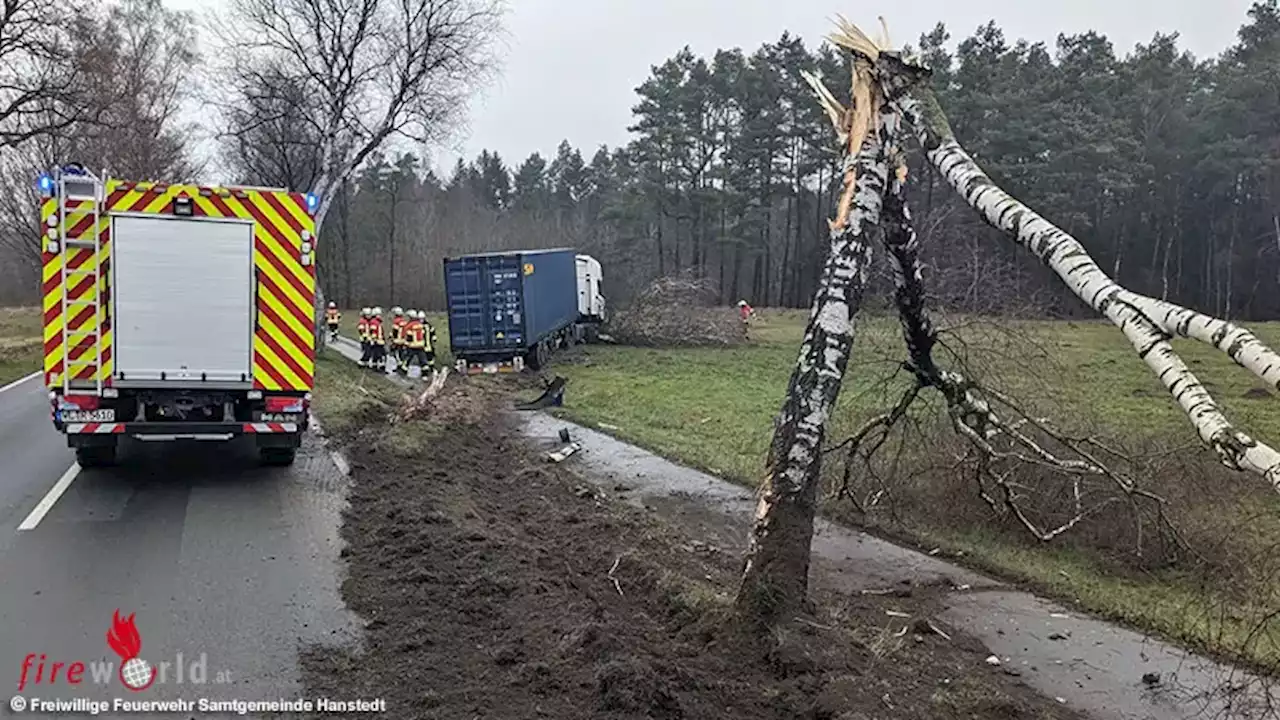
(339, 460)
(46, 503)
(19, 381)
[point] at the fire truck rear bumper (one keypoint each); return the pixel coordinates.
(182, 430)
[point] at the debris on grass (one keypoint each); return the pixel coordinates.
(563, 453)
(552, 396)
(415, 406)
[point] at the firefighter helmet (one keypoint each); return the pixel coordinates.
(397, 310)
(377, 312)
(364, 311)
(333, 305)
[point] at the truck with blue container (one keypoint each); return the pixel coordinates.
(512, 310)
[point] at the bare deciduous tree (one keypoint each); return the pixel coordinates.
(131, 62)
(39, 90)
(138, 62)
(358, 72)
(270, 138)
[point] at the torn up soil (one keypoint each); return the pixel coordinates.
(496, 585)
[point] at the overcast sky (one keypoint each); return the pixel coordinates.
(570, 67)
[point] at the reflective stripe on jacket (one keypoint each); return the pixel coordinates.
(429, 336)
(414, 337)
(362, 329)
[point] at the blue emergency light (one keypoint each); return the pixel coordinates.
(313, 201)
(46, 184)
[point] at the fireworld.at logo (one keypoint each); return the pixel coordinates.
(133, 672)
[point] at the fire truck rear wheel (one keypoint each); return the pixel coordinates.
(96, 456)
(277, 456)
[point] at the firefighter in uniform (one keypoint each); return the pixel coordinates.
(362, 330)
(397, 336)
(377, 340)
(429, 344)
(331, 318)
(414, 340)
(406, 353)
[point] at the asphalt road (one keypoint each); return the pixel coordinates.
(217, 556)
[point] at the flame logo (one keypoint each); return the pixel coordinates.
(126, 641)
(123, 637)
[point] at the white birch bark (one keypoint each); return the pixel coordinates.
(1242, 346)
(775, 574)
(1129, 312)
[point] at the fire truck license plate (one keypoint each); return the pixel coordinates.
(86, 416)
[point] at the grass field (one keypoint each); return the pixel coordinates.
(713, 409)
(20, 344)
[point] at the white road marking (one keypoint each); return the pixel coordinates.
(18, 382)
(46, 503)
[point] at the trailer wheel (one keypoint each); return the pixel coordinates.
(277, 456)
(538, 356)
(96, 456)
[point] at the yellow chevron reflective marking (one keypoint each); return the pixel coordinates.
(291, 320)
(279, 366)
(157, 202)
(207, 207)
(282, 362)
(283, 227)
(300, 216)
(296, 303)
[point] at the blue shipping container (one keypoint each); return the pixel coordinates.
(502, 304)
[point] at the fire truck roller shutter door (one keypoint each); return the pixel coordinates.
(184, 294)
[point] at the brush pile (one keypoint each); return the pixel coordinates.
(676, 312)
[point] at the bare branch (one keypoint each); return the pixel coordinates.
(344, 77)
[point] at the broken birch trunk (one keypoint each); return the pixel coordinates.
(971, 407)
(1147, 323)
(776, 569)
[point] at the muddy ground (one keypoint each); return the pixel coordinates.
(497, 585)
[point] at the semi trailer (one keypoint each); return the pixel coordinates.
(176, 311)
(512, 310)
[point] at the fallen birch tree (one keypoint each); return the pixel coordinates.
(891, 97)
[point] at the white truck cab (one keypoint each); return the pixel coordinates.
(590, 300)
